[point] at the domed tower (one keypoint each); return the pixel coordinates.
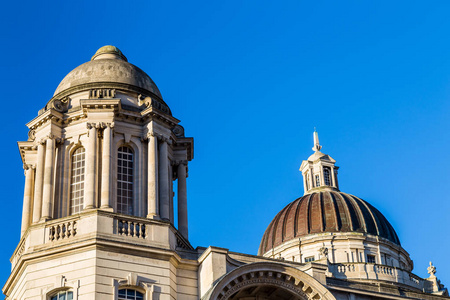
(101, 161)
(337, 229)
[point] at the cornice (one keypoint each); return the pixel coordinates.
(49, 115)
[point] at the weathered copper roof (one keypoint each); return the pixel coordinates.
(325, 211)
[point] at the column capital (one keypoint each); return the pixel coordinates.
(93, 125)
(179, 162)
(151, 134)
(104, 125)
(29, 166)
(164, 139)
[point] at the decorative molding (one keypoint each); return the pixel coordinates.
(178, 130)
(134, 281)
(31, 135)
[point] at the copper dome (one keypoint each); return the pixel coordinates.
(325, 211)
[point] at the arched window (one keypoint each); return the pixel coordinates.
(65, 295)
(77, 181)
(125, 163)
(129, 294)
(326, 176)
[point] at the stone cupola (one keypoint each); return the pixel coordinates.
(319, 170)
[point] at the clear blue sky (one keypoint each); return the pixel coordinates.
(250, 80)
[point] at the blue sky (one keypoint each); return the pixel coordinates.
(249, 80)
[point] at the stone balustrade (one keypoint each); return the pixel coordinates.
(63, 230)
(89, 225)
(367, 271)
(127, 227)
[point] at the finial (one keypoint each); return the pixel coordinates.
(317, 146)
(431, 270)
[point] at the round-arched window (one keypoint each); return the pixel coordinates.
(65, 295)
(129, 294)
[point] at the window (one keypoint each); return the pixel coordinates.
(128, 294)
(371, 259)
(309, 259)
(125, 180)
(317, 180)
(66, 295)
(77, 181)
(326, 176)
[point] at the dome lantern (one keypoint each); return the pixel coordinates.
(319, 170)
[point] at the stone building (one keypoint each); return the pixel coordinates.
(100, 163)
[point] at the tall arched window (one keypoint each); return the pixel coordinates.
(125, 163)
(128, 294)
(66, 295)
(77, 181)
(326, 176)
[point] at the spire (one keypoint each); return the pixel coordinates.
(317, 146)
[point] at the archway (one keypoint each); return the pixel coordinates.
(268, 281)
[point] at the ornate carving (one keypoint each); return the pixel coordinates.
(146, 101)
(431, 270)
(178, 131)
(31, 135)
(323, 251)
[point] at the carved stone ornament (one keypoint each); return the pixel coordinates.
(144, 100)
(178, 131)
(431, 270)
(60, 104)
(323, 251)
(31, 135)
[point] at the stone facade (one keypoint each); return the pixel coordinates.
(102, 161)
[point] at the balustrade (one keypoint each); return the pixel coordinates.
(131, 228)
(62, 230)
(386, 270)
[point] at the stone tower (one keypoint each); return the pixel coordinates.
(101, 162)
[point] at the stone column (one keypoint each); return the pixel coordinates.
(27, 195)
(91, 151)
(37, 203)
(106, 167)
(322, 180)
(333, 177)
(47, 194)
(164, 180)
(152, 173)
(305, 182)
(313, 183)
(182, 200)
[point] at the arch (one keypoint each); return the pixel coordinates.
(268, 274)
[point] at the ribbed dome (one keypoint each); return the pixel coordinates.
(108, 65)
(325, 211)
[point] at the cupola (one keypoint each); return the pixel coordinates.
(319, 170)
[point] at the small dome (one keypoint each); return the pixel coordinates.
(325, 211)
(107, 66)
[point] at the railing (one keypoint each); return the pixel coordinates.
(415, 279)
(62, 230)
(375, 271)
(385, 270)
(131, 228)
(341, 268)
